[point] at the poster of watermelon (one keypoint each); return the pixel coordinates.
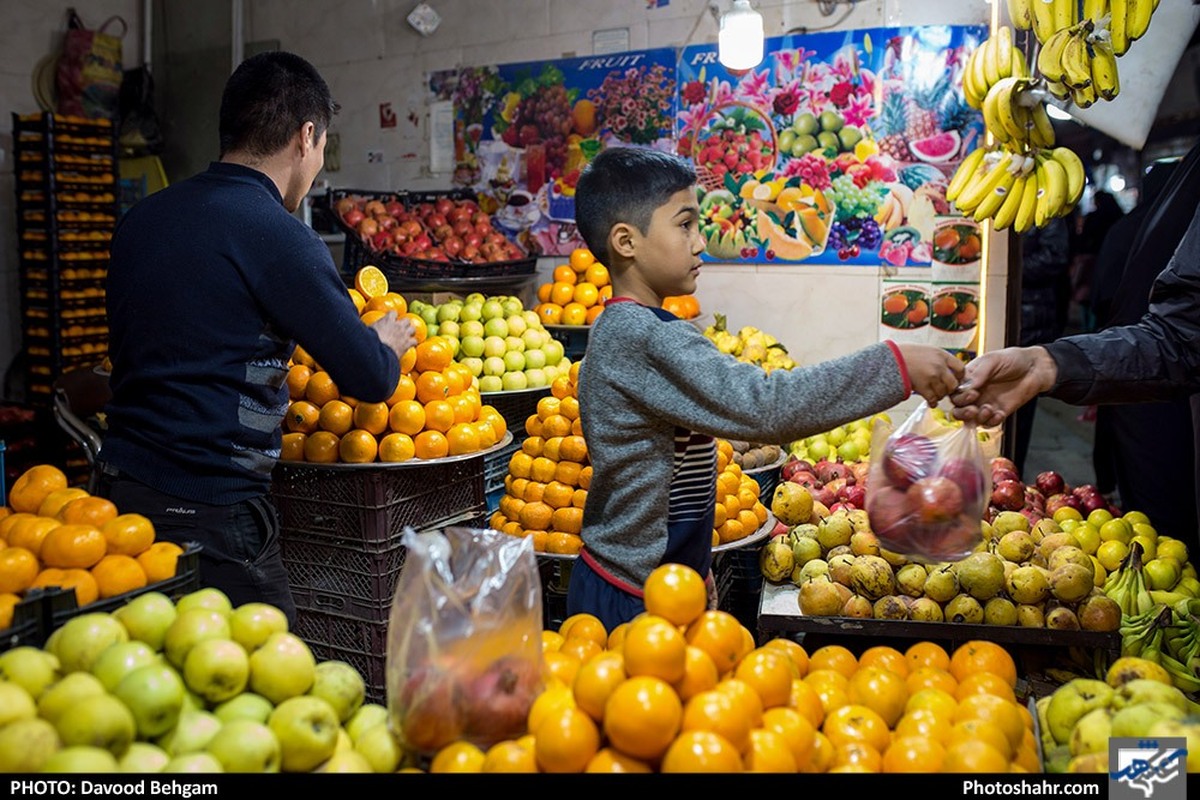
(524, 131)
(835, 150)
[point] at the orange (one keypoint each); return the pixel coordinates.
(566, 740)
(581, 258)
(974, 756)
(407, 417)
(11, 521)
(520, 465)
(549, 313)
(486, 433)
(30, 533)
(856, 723)
(543, 292)
(795, 652)
(592, 313)
(568, 472)
(462, 438)
(396, 447)
(984, 683)
(926, 723)
(397, 303)
(292, 448)
(303, 416)
(642, 717)
(31, 488)
(654, 646)
(769, 673)
(59, 498)
(597, 275)
(494, 418)
(563, 543)
(297, 381)
(983, 730)
(79, 581)
(439, 415)
(798, 733)
(564, 274)
(432, 385)
(939, 701)
(357, 298)
(358, 447)
(117, 574)
(434, 353)
(536, 516)
(807, 702)
(856, 757)
(405, 390)
(457, 757)
(926, 654)
(675, 592)
(160, 560)
(583, 649)
(585, 625)
(430, 444)
(464, 410)
(720, 713)
(370, 282)
(18, 568)
(321, 447)
(608, 760)
(371, 417)
(420, 328)
(746, 696)
(835, 657)
(980, 655)
(407, 361)
(556, 425)
(371, 316)
(586, 295)
(699, 674)
(561, 666)
(914, 754)
(336, 417)
(558, 495)
(509, 756)
(301, 356)
(698, 751)
(8, 602)
(822, 754)
(562, 293)
(881, 690)
(80, 546)
(574, 313)
(128, 534)
(596, 680)
(616, 637)
(320, 389)
(931, 678)
(719, 634)
(556, 695)
(888, 658)
(1003, 712)
(543, 469)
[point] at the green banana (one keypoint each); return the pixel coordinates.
(1184, 678)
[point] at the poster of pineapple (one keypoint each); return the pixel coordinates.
(836, 149)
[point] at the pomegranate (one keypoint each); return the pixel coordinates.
(1008, 495)
(497, 701)
(792, 466)
(429, 709)
(353, 216)
(890, 518)
(965, 473)
(935, 499)
(1050, 482)
(908, 458)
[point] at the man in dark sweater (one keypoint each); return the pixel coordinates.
(212, 283)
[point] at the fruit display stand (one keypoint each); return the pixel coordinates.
(515, 406)
(341, 526)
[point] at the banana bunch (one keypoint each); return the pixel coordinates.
(1016, 190)
(1181, 651)
(1127, 585)
(749, 344)
(995, 59)
(1015, 118)
(1080, 63)
(1043, 17)
(1143, 635)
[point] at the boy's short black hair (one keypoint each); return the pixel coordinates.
(267, 98)
(626, 184)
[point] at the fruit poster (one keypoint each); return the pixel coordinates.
(835, 150)
(524, 131)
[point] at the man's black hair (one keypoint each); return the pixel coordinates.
(266, 100)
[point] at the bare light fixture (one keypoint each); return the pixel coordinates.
(740, 40)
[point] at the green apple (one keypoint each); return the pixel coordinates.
(68, 691)
(1162, 572)
(154, 694)
(1149, 547)
(246, 705)
(251, 624)
(307, 729)
(534, 338)
(470, 312)
(494, 346)
(471, 327)
(535, 358)
(496, 326)
(494, 365)
(345, 761)
(191, 734)
(514, 361)
(193, 763)
(511, 305)
(191, 627)
(208, 597)
(515, 381)
(554, 351)
(147, 617)
(429, 314)
(216, 669)
(100, 720)
(143, 757)
(82, 639)
(536, 378)
(244, 745)
(805, 123)
(341, 685)
(448, 312)
(367, 717)
(81, 759)
(26, 744)
(471, 346)
(517, 324)
(474, 364)
(15, 703)
(489, 384)
(31, 667)
(282, 668)
(380, 748)
(516, 343)
(120, 659)
(532, 320)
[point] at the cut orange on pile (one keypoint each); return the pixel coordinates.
(371, 282)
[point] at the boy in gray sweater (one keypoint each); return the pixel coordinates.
(654, 392)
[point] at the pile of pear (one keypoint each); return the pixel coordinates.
(193, 685)
(1134, 699)
(749, 344)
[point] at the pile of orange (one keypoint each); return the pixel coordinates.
(52, 534)
(578, 292)
(739, 511)
(685, 689)
(435, 411)
(547, 481)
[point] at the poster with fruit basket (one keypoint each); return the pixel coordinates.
(524, 131)
(835, 150)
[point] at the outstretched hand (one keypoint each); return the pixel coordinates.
(396, 332)
(1000, 382)
(933, 371)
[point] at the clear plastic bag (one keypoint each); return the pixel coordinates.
(464, 639)
(926, 488)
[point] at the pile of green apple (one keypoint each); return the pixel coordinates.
(192, 685)
(505, 345)
(849, 443)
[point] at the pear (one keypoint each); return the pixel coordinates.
(1137, 720)
(872, 577)
(791, 503)
(941, 585)
(1090, 734)
(1189, 729)
(1147, 690)
(1089, 762)
(964, 608)
(1071, 701)
(1031, 615)
(820, 598)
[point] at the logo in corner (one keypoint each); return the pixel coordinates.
(1140, 769)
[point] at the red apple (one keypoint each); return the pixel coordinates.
(999, 475)
(935, 499)
(1004, 463)
(907, 458)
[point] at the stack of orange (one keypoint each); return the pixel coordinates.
(578, 292)
(739, 510)
(436, 410)
(547, 481)
(685, 689)
(55, 535)
(684, 306)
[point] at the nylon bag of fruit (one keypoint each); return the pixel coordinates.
(464, 639)
(925, 489)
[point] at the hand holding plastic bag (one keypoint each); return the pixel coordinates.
(464, 639)
(926, 489)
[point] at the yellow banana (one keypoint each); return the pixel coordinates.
(965, 171)
(991, 60)
(1058, 89)
(1042, 129)
(979, 72)
(1095, 10)
(1043, 19)
(1077, 65)
(1118, 25)
(1066, 13)
(1138, 20)
(1084, 96)
(995, 196)
(991, 114)
(1075, 172)
(1049, 60)
(1104, 69)
(1052, 191)
(1020, 67)
(1003, 112)
(1004, 51)
(976, 190)
(971, 92)
(1028, 207)
(1007, 213)
(1020, 13)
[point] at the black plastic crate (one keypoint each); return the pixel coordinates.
(369, 507)
(360, 643)
(739, 584)
(574, 339)
(28, 623)
(515, 407)
(556, 576)
(495, 465)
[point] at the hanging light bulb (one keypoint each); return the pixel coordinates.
(740, 40)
